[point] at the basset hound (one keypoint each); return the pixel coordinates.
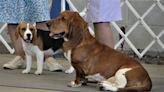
(114, 71)
(35, 43)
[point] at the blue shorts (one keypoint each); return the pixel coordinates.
(56, 8)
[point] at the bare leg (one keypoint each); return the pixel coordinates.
(17, 62)
(17, 44)
(104, 34)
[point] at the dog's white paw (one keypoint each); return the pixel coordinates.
(70, 70)
(101, 87)
(73, 84)
(38, 72)
(26, 71)
(107, 86)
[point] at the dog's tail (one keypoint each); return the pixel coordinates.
(147, 86)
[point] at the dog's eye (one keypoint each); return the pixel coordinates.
(23, 29)
(31, 29)
(63, 18)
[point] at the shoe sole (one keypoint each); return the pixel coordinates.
(6, 68)
(59, 70)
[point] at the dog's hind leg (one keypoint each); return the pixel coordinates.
(115, 82)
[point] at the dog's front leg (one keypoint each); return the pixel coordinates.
(76, 82)
(40, 60)
(68, 56)
(28, 64)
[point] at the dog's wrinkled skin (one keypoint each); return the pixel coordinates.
(113, 70)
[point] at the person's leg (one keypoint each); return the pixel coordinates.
(104, 33)
(17, 44)
(56, 8)
(17, 62)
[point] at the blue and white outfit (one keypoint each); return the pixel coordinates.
(16, 11)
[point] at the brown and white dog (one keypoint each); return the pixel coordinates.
(34, 43)
(113, 70)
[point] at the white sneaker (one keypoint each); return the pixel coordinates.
(52, 65)
(16, 63)
(69, 70)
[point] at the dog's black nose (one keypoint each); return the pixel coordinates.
(28, 35)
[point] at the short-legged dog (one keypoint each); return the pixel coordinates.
(113, 70)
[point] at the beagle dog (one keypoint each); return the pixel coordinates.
(34, 43)
(114, 71)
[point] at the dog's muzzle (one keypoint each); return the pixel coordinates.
(28, 38)
(58, 35)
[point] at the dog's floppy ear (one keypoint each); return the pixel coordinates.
(49, 23)
(17, 32)
(74, 38)
(35, 36)
(77, 27)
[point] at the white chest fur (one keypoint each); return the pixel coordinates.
(30, 48)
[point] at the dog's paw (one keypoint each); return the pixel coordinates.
(70, 70)
(73, 84)
(100, 86)
(38, 72)
(107, 86)
(26, 71)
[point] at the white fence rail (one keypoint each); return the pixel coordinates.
(2, 39)
(156, 38)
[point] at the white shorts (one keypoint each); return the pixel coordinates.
(104, 11)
